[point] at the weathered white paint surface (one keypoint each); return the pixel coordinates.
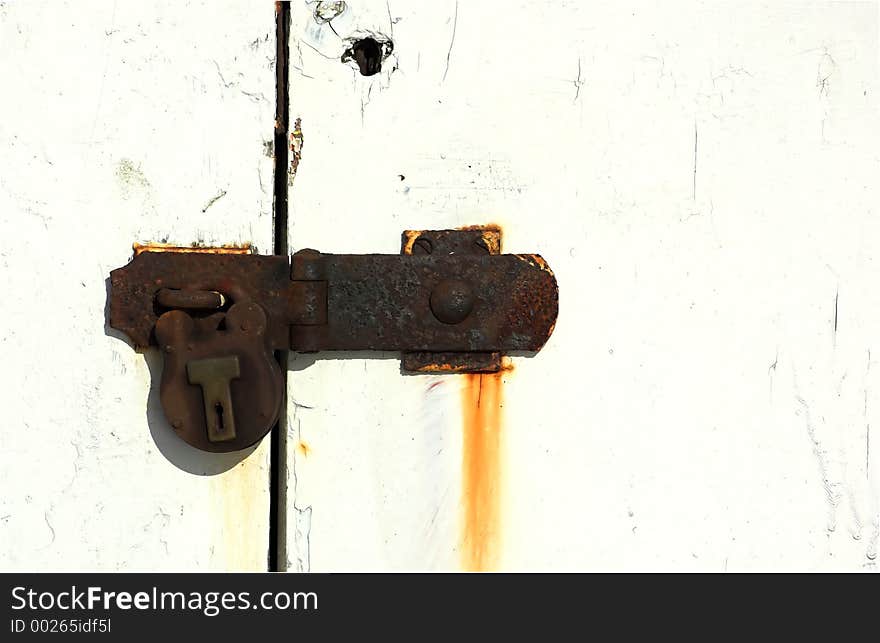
(702, 177)
(121, 122)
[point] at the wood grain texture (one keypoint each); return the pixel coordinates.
(122, 122)
(701, 176)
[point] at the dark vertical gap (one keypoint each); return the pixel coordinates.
(278, 454)
(282, 34)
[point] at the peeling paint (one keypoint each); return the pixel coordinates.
(368, 54)
(481, 470)
(296, 144)
(130, 175)
(327, 11)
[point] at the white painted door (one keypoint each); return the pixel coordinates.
(702, 178)
(122, 122)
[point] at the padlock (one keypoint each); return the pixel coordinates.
(221, 388)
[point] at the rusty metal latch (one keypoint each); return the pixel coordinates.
(450, 302)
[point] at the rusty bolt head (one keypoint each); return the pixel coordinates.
(452, 301)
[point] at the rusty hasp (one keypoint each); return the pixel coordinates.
(450, 302)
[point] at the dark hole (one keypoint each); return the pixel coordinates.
(368, 54)
(219, 409)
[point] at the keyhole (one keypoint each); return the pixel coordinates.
(218, 408)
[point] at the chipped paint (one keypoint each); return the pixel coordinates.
(296, 145)
(481, 471)
(327, 11)
(130, 175)
(231, 249)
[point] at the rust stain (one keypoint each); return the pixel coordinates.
(491, 236)
(238, 511)
(481, 469)
(440, 368)
(304, 448)
(410, 237)
(492, 241)
(230, 249)
(444, 367)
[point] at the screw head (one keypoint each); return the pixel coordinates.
(422, 246)
(482, 245)
(452, 301)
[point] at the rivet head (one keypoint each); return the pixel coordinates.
(452, 301)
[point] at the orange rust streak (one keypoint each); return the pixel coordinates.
(481, 471)
(165, 247)
(304, 448)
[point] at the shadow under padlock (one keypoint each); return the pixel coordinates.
(203, 356)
